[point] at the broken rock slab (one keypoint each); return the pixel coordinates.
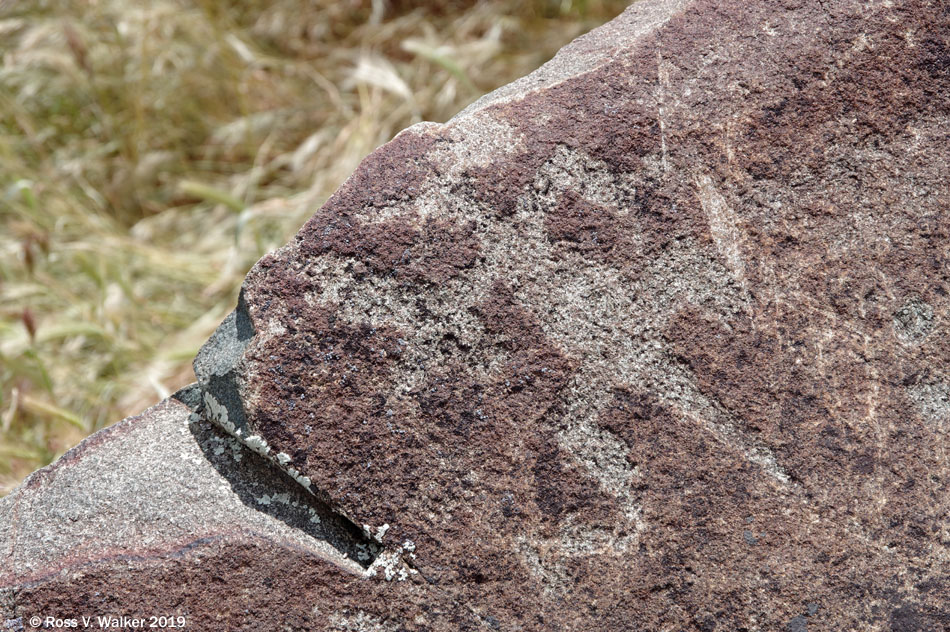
(653, 338)
(165, 514)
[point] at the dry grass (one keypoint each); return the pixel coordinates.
(150, 152)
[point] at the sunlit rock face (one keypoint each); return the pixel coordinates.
(654, 338)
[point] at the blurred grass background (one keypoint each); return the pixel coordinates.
(151, 152)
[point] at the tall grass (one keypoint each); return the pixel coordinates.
(150, 152)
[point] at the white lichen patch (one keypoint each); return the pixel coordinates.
(219, 447)
(258, 444)
(390, 563)
(363, 553)
(222, 444)
(217, 413)
(237, 451)
(297, 476)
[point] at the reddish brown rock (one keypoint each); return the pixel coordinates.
(652, 339)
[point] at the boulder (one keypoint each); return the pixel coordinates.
(653, 338)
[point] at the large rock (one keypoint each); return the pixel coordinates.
(654, 338)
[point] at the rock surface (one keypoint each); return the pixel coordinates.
(654, 338)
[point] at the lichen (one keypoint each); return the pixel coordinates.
(258, 444)
(217, 413)
(390, 562)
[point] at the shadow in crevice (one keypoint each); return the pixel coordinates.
(264, 487)
(216, 365)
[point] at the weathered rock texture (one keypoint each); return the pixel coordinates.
(652, 339)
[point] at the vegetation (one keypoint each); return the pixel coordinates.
(150, 152)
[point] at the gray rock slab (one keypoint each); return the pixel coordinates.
(155, 484)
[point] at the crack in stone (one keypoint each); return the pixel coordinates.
(217, 398)
(305, 511)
